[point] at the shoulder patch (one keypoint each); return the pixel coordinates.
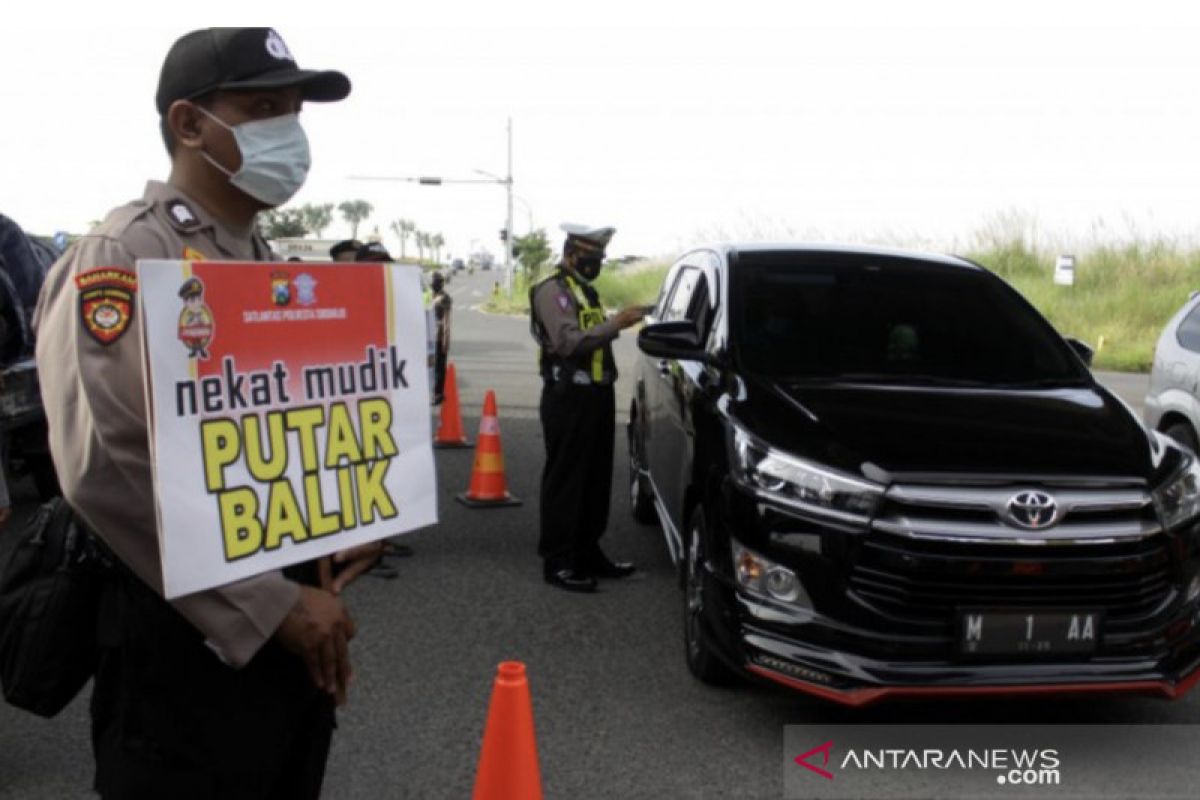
(564, 301)
(182, 215)
(106, 296)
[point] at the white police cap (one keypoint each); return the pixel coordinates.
(588, 238)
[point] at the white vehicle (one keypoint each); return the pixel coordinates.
(1173, 399)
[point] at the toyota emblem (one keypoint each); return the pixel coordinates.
(1033, 511)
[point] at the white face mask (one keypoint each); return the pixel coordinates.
(275, 157)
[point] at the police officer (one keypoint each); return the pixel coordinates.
(578, 412)
(441, 303)
(228, 692)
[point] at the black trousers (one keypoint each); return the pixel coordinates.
(579, 425)
(439, 371)
(169, 719)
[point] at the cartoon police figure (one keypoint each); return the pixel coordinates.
(281, 290)
(196, 319)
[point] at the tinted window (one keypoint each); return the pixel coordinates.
(697, 310)
(681, 298)
(868, 318)
(660, 305)
(1188, 333)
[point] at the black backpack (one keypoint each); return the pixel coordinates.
(50, 593)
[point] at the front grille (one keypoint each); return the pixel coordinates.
(979, 514)
(924, 581)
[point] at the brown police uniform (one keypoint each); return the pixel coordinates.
(93, 392)
(557, 309)
(578, 415)
(180, 708)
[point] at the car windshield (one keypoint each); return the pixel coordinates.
(854, 317)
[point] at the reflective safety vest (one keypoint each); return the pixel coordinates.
(590, 315)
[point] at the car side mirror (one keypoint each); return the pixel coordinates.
(677, 339)
(1082, 350)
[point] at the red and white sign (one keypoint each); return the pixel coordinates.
(289, 409)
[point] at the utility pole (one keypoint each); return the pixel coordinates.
(508, 246)
(506, 181)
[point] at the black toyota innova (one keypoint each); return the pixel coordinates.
(885, 474)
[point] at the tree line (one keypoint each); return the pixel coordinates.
(314, 218)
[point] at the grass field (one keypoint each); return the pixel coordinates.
(618, 287)
(1122, 297)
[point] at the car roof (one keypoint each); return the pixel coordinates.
(811, 248)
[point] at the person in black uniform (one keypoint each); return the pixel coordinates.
(441, 303)
(578, 412)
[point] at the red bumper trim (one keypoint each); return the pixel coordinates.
(870, 694)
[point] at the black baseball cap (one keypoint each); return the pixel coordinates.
(372, 251)
(345, 246)
(239, 58)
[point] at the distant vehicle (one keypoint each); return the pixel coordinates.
(884, 474)
(457, 264)
(1173, 399)
(482, 260)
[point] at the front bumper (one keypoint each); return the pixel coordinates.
(857, 681)
(845, 650)
(791, 656)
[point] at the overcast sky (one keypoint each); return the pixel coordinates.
(902, 121)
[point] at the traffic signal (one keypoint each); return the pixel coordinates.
(504, 234)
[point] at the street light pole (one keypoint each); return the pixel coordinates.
(508, 246)
(507, 181)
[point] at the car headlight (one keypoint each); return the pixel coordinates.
(802, 484)
(762, 576)
(1178, 500)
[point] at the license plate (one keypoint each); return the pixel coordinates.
(1033, 633)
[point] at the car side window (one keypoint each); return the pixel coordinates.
(1188, 332)
(698, 307)
(681, 296)
(664, 294)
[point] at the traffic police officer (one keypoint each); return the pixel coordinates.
(228, 692)
(578, 412)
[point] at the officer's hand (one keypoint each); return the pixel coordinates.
(317, 629)
(630, 316)
(354, 562)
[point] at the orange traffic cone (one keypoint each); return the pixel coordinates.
(508, 763)
(450, 430)
(488, 487)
